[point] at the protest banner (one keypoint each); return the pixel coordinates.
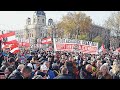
(71, 44)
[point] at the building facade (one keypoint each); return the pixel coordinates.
(20, 35)
(104, 33)
(35, 28)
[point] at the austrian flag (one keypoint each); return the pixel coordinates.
(11, 42)
(46, 40)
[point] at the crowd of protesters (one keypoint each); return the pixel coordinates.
(41, 64)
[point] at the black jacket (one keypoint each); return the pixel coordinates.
(16, 74)
(85, 74)
(63, 76)
(116, 76)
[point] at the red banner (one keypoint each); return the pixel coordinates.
(46, 40)
(82, 46)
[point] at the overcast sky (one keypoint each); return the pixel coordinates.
(15, 20)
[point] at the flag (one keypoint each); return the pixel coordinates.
(24, 44)
(7, 34)
(14, 48)
(102, 48)
(11, 42)
(46, 40)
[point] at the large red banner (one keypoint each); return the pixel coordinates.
(71, 45)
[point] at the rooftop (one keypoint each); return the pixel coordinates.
(38, 13)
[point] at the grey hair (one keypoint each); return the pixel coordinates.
(105, 65)
(21, 66)
(46, 62)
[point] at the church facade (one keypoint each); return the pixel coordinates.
(35, 28)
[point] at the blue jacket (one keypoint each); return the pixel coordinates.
(51, 74)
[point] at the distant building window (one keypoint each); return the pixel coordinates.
(38, 20)
(41, 34)
(30, 34)
(43, 21)
(34, 20)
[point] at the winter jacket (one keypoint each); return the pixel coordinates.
(51, 74)
(116, 76)
(16, 74)
(85, 74)
(100, 76)
(63, 76)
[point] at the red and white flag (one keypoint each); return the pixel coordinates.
(46, 40)
(11, 42)
(14, 48)
(24, 44)
(102, 48)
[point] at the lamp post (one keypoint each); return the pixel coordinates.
(53, 35)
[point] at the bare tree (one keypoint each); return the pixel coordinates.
(113, 23)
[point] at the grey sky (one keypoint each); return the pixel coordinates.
(15, 20)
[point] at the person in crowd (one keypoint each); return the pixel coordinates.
(26, 72)
(115, 71)
(2, 75)
(22, 72)
(104, 72)
(50, 72)
(56, 69)
(11, 62)
(20, 67)
(8, 71)
(64, 74)
(87, 72)
(1, 58)
(43, 72)
(42, 64)
(4, 66)
(70, 68)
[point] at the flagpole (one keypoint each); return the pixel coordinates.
(1, 42)
(0, 45)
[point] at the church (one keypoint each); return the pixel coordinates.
(35, 28)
